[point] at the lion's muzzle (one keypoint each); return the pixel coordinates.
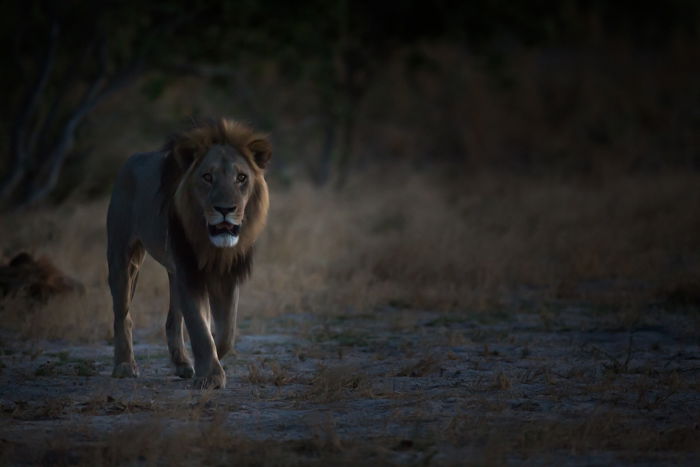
(224, 234)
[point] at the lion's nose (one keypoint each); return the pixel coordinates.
(225, 211)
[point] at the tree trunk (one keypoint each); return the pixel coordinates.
(19, 147)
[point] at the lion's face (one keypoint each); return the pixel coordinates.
(213, 184)
(222, 184)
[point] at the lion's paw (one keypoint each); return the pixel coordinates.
(184, 371)
(216, 381)
(125, 370)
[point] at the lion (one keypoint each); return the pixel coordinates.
(197, 207)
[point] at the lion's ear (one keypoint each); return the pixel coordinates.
(185, 154)
(262, 151)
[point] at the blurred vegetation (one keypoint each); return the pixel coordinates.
(68, 57)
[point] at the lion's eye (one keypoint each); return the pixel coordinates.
(241, 178)
(207, 178)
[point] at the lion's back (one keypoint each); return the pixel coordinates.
(140, 170)
(135, 206)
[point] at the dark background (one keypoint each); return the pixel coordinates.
(573, 87)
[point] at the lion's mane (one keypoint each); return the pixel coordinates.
(187, 230)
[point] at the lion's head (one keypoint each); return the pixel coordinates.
(214, 187)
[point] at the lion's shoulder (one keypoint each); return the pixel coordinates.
(141, 167)
(145, 162)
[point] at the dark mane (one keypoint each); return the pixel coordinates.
(181, 152)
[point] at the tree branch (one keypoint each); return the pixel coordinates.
(51, 168)
(47, 176)
(42, 132)
(19, 147)
(47, 167)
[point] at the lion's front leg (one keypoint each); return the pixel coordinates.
(176, 341)
(208, 372)
(223, 297)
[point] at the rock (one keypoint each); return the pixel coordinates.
(38, 279)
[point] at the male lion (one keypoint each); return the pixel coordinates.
(197, 207)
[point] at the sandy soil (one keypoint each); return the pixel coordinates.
(564, 383)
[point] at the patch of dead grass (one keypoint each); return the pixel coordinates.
(156, 442)
(50, 408)
(599, 432)
(423, 367)
(268, 372)
(502, 382)
(334, 383)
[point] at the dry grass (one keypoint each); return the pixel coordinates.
(418, 245)
(210, 443)
(599, 432)
(484, 442)
(268, 372)
(334, 383)
(423, 367)
(411, 241)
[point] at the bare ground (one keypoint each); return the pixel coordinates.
(538, 384)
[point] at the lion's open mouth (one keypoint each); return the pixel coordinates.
(224, 234)
(224, 228)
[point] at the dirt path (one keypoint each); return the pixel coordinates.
(562, 384)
